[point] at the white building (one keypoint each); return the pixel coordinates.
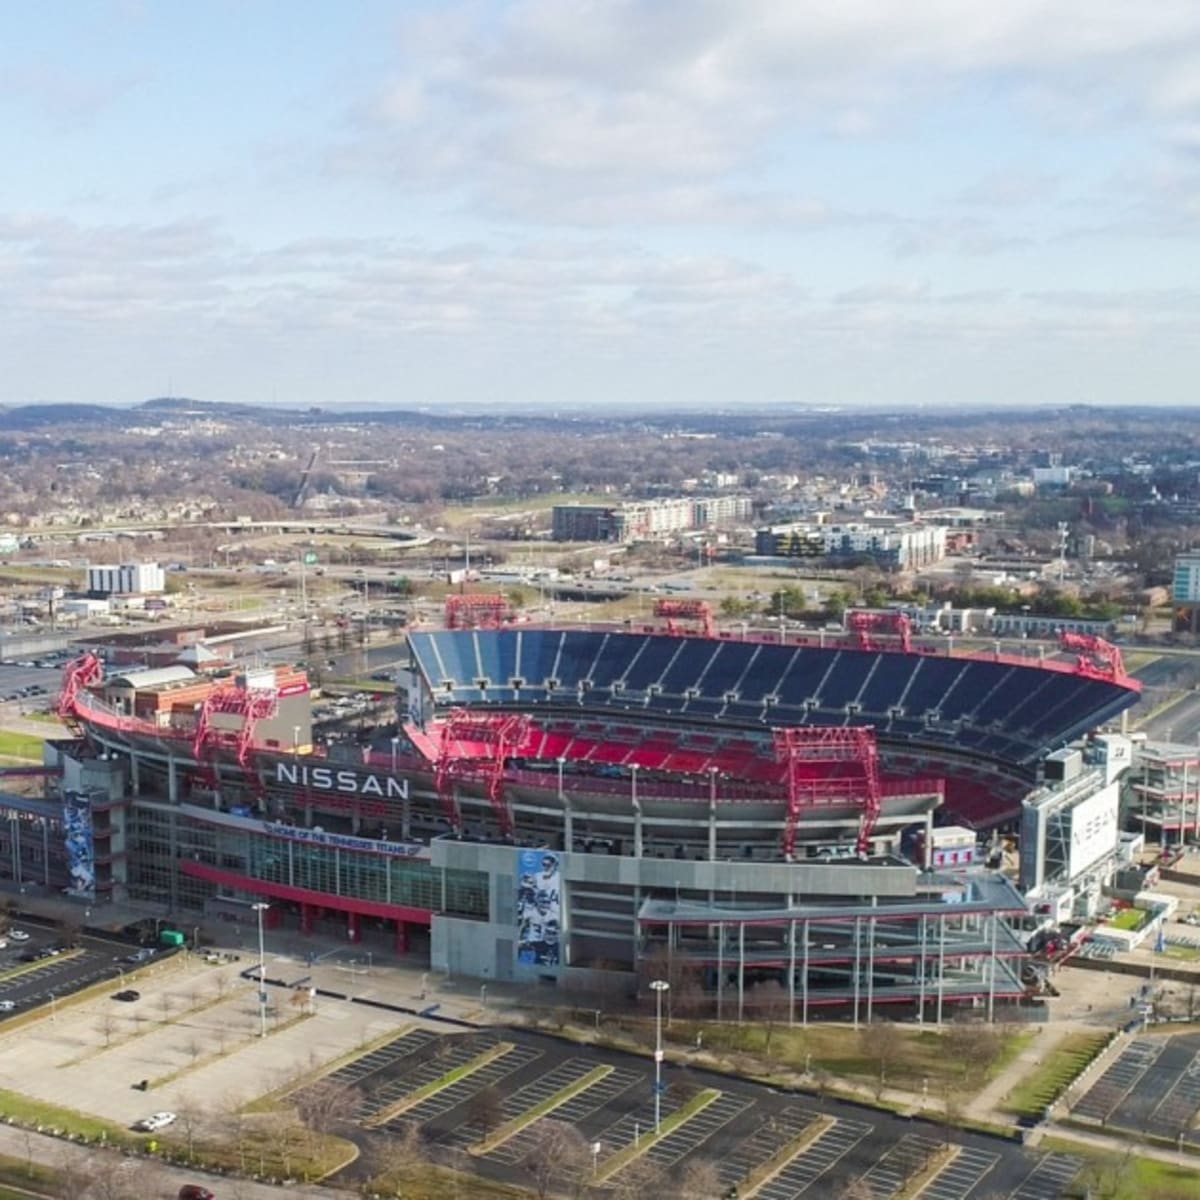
(124, 579)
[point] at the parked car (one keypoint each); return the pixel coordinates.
(18, 935)
(193, 1191)
(155, 1122)
(128, 995)
(7, 1005)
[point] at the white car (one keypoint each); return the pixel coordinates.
(18, 935)
(3, 944)
(7, 1005)
(155, 1122)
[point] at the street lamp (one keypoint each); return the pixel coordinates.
(395, 748)
(261, 907)
(658, 986)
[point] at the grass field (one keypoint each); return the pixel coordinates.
(24, 746)
(1129, 919)
(907, 1057)
(1126, 1177)
(1052, 1077)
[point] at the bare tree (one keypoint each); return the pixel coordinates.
(192, 1119)
(398, 1160)
(193, 1047)
(700, 1180)
(326, 1105)
(165, 1004)
(107, 1025)
(772, 1005)
(856, 1189)
(485, 1110)
(641, 1178)
(882, 1044)
(559, 1159)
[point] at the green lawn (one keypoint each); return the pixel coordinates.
(1051, 1077)
(1117, 1177)
(1129, 919)
(20, 745)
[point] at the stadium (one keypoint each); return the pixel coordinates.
(761, 819)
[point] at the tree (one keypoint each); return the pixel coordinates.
(772, 1005)
(700, 1180)
(107, 1025)
(397, 1160)
(643, 1177)
(561, 1158)
(485, 1110)
(881, 1044)
(192, 1118)
(856, 1189)
(326, 1105)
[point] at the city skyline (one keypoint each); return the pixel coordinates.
(552, 204)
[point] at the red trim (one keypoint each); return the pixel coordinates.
(281, 891)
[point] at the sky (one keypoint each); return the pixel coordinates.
(571, 205)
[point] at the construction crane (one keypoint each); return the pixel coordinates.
(828, 764)
(477, 612)
(1095, 656)
(865, 624)
(474, 747)
(674, 611)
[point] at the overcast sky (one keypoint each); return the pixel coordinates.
(642, 202)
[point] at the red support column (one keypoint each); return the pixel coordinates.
(401, 937)
(353, 932)
(306, 919)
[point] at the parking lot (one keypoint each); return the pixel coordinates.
(744, 1127)
(53, 977)
(1153, 1086)
(28, 684)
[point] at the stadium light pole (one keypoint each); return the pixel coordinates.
(658, 986)
(261, 907)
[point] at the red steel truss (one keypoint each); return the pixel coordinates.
(675, 611)
(251, 705)
(81, 673)
(476, 612)
(829, 764)
(1097, 659)
(474, 747)
(865, 624)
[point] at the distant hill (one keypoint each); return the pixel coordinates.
(34, 416)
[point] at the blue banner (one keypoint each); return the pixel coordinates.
(77, 836)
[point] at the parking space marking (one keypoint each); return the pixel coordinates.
(527, 1097)
(825, 1153)
(1178, 1108)
(575, 1111)
(453, 1053)
(382, 1057)
(1118, 1079)
(1049, 1178)
(958, 1178)
(899, 1164)
(768, 1139)
(698, 1128)
(454, 1095)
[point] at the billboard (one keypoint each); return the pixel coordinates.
(539, 907)
(1094, 829)
(77, 836)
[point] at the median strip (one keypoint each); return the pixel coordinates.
(384, 1115)
(622, 1159)
(42, 964)
(765, 1172)
(938, 1162)
(503, 1132)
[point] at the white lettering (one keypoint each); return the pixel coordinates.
(323, 779)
